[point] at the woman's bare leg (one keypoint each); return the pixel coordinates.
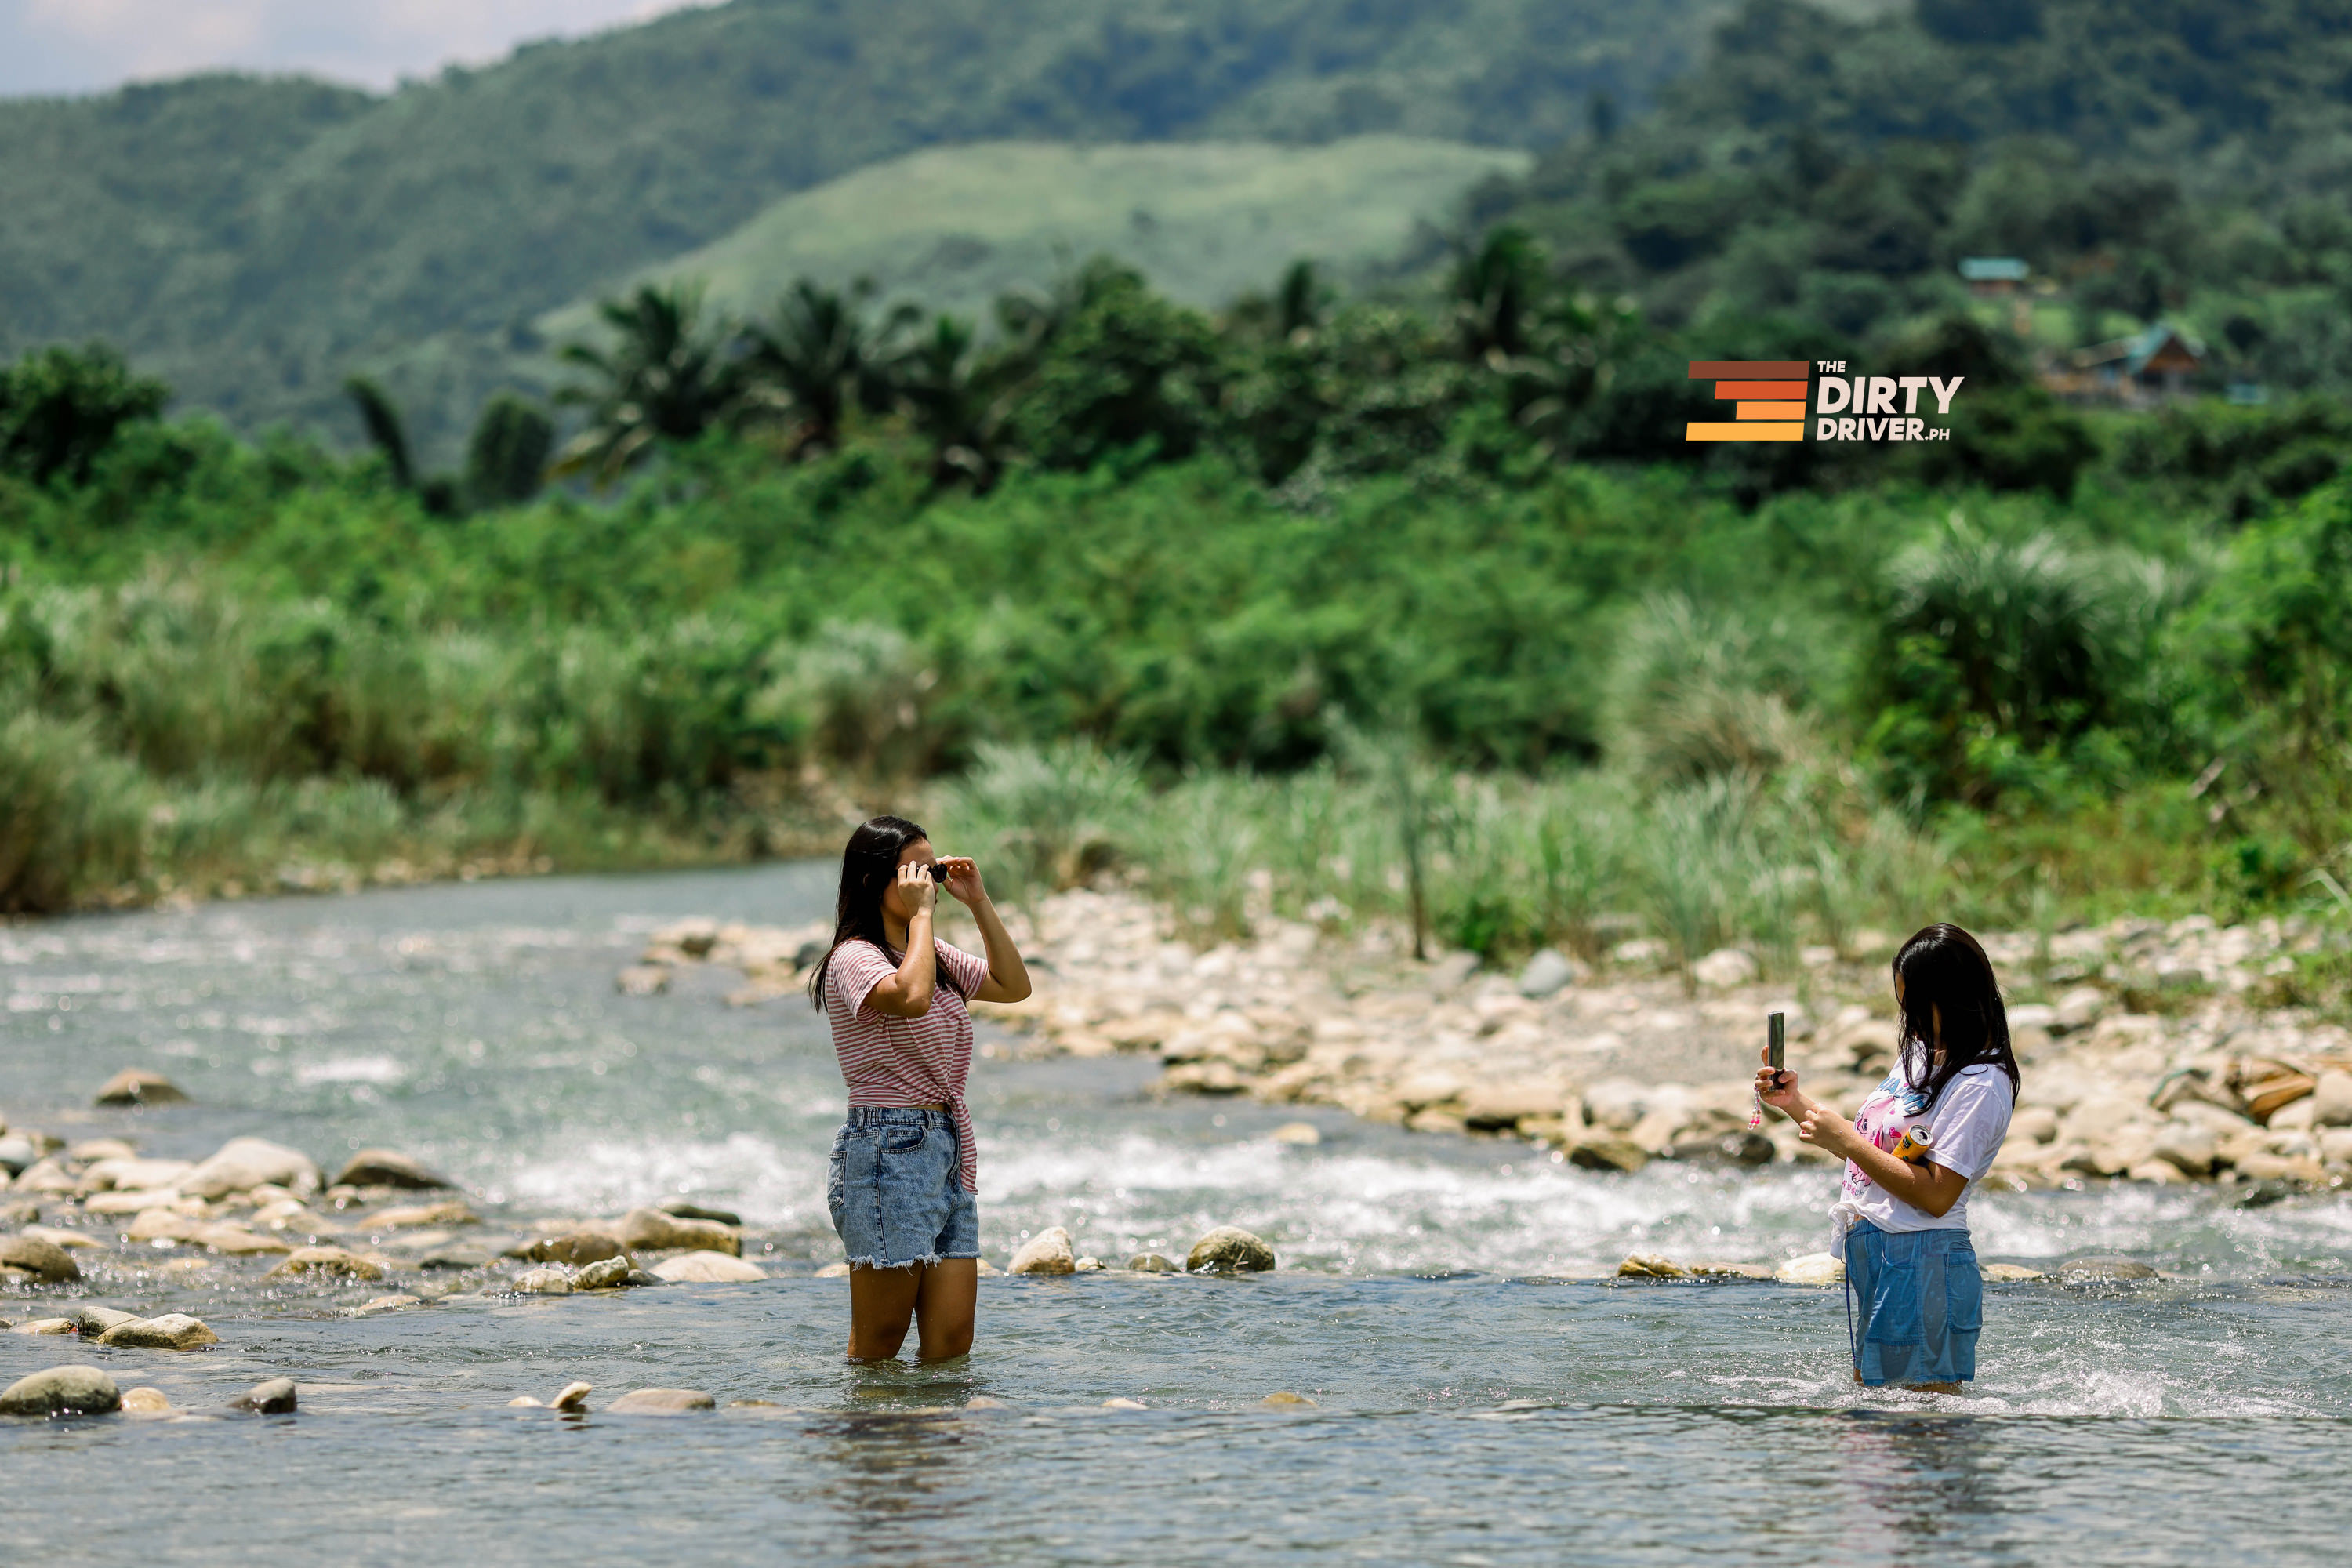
(944, 1306)
(880, 1302)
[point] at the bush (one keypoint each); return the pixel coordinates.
(72, 825)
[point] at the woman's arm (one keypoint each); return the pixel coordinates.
(1926, 1186)
(1008, 977)
(906, 994)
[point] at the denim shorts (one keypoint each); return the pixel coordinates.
(1918, 1304)
(893, 1191)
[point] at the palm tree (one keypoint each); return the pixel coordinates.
(667, 377)
(388, 433)
(955, 397)
(818, 353)
(1496, 287)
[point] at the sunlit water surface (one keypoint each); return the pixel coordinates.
(1476, 1396)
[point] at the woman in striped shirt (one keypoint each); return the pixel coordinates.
(902, 1179)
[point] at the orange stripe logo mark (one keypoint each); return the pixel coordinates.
(1767, 394)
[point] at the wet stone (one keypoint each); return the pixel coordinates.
(275, 1397)
(1229, 1249)
(651, 1230)
(684, 1209)
(387, 1168)
(2083, 1270)
(577, 1247)
(137, 1086)
(43, 1259)
(327, 1260)
(171, 1331)
(1151, 1263)
(146, 1404)
(707, 1268)
(660, 1402)
(1047, 1252)
(61, 1391)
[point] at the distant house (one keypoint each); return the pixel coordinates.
(2157, 365)
(1993, 277)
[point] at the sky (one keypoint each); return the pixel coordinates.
(82, 45)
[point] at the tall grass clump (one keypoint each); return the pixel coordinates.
(73, 814)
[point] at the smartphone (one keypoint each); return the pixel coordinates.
(1776, 1043)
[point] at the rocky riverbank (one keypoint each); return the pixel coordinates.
(2151, 1052)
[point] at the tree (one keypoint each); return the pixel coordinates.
(388, 434)
(816, 354)
(1129, 373)
(1496, 287)
(667, 376)
(505, 459)
(955, 395)
(62, 407)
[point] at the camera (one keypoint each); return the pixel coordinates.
(939, 872)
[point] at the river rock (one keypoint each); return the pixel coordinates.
(138, 1201)
(1229, 1249)
(660, 1402)
(1119, 1402)
(642, 980)
(2080, 1270)
(409, 1217)
(273, 1397)
(17, 1152)
(1298, 1134)
(1499, 1108)
(394, 1303)
(2077, 1009)
(1151, 1263)
(1047, 1252)
(2010, 1273)
(1812, 1269)
(2331, 1102)
(1608, 1151)
(2189, 1145)
(89, 1150)
(1725, 968)
(651, 1230)
(326, 1260)
(243, 1164)
(171, 1331)
(572, 1397)
(546, 1280)
(71, 1240)
(707, 1268)
(686, 1209)
(841, 1270)
(387, 1168)
(1450, 972)
(460, 1256)
(44, 1326)
(137, 1086)
(237, 1241)
(1742, 1146)
(61, 1391)
(45, 1175)
(605, 1274)
(129, 1172)
(1548, 973)
(44, 1259)
(1650, 1265)
(1715, 1270)
(91, 1322)
(146, 1404)
(577, 1247)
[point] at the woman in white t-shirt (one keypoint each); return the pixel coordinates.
(1910, 1271)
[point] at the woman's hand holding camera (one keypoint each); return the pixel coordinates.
(962, 877)
(916, 891)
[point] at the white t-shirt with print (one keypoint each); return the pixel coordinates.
(1965, 1131)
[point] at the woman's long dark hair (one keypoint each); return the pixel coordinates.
(1943, 971)
(868, 866)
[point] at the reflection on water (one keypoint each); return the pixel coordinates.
(1471, 1403)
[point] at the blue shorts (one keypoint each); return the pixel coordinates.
(893, 1191)
(1917, 1302)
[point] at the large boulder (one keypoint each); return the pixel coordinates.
(46, 1259)
(173, 1332)
(61, 1391)
(385, 1168)
(1047, 1252)
(651, 1230)
(707, 1268)
(1229, 1249)
(242, 1165)
(137, 1086)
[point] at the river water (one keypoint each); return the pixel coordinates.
(1478, 1396)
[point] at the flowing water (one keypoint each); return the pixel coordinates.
(1478, 1396)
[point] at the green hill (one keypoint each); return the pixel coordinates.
(955, 227)
(254, 241)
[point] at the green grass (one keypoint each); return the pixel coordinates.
(955, 227)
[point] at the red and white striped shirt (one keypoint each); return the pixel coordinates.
(890, 1061)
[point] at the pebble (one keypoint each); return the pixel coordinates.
(1299, 1134)
(61, 1391)
(46, 1259)
(1047, 1252)
(1229, 1249)
(146, 1404)
(660, 1402)
(274, 1397)
(171, 1331)
(387, 1168)
(653, 1231)
(137, 1086)
(326, 1260)
(1812, 1269)
(1151, 1263)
